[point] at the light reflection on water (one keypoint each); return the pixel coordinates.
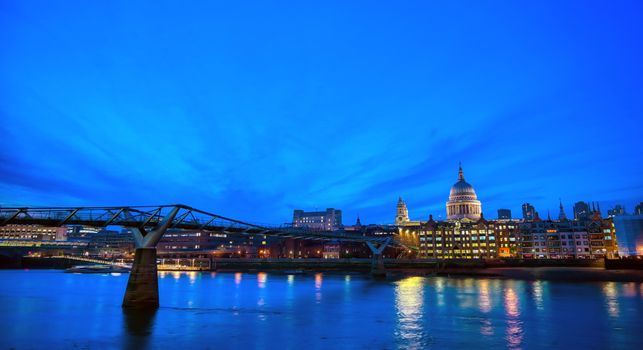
(484, 299)
(514, 331)
(201, 309)
(538, 294)
(611, 298)
(409, 303)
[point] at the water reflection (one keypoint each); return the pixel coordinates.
(538, 287)
(611, 297)
(409, 303)
(439, 289)
(192, 276)
(318, 285)
(514, 331)
(629, 289)
(138, 325)
(484, 300)
(262, 277)
(356, 312)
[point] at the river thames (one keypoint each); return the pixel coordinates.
(56, 310)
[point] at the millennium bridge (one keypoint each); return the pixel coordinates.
(149, 223)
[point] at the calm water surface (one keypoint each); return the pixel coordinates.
(55, 310)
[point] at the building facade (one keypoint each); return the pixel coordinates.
(329, 220)
(33, 232)
(629, 232)
(567, 239)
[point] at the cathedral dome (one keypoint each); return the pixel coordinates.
(462, 188)
(463, 202)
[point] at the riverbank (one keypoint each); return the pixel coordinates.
(553, 270)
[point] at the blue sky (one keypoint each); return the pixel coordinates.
(251, 110)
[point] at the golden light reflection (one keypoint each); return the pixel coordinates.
(176, 275)
(291, 280)
(262, 277)
(318, 285)
(484, 300)
(347, 279)
(162, 274)
(318, 280)
(237, 278)
(514, 332)
(511, 303)
(409, 303)
(192, 276)
(611, 296)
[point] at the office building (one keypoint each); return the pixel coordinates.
(528, 212)
(629, 234)
(504, 214)
(329, 220)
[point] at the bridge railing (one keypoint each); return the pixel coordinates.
(150, 216)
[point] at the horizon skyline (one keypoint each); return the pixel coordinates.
(515, 214)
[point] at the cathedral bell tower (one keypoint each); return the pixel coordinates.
(402, 215)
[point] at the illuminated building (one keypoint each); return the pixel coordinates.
(466, 234)
(33, 232)
(402, 214)
(79, 232)
(629, 232)
(111, 243)
(329, 220)
(602, 236)
(331, 250)
(562, 239)
(463, 202)
(461, 239)
(553, 240)
(176, 242)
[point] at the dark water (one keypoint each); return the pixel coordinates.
(52, 309)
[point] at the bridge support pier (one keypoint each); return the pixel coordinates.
(377, 261)
(143, 286)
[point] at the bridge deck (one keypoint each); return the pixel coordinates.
(147, 217)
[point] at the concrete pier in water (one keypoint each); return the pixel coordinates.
(142, 287)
